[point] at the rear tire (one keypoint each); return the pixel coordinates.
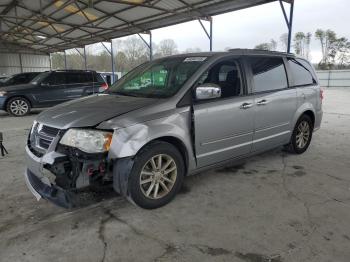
(18, 106)
(302, 135)
(156, 176)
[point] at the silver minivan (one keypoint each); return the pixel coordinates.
(170, 118)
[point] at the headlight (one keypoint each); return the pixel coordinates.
(89, 141)
(3, 93)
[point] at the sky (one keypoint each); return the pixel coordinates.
(249, 27)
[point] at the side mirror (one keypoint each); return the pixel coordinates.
(208, 91)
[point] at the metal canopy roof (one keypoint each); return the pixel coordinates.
(55, 25)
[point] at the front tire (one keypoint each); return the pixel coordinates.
(18, 106)
(156, 176)
(302, 135)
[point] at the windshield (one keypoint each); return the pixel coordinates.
(39, 78)
(159, 79)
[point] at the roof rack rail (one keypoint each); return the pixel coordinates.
(249, 51)
(73, 70)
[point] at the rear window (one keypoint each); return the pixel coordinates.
(55, 78)
(302, 72)
(268, 73)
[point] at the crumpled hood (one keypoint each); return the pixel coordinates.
(91, 110)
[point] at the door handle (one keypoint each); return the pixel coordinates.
(246, 105)
(262, 102)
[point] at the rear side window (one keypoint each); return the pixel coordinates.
(77, 78)
(55, 79)
(87, 77)
(268, 73)
(302, 72)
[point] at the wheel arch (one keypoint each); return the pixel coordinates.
(310, 114)
(177, 143)
(305, 109)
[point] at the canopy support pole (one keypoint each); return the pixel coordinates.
(289, 21)
(50, 59)
(111, 53)
(113, 64)
(83, 56)
(210, 33)
(148, 44)
(85, 62)
(65, 60)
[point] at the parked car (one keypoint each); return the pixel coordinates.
(48, 89)
(2, 79)
(107, 76)
(199, 111)
(18, 79)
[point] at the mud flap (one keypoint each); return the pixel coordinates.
(121, 171)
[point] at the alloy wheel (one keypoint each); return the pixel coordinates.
(303, 134)
(19, 107)
(158, 176)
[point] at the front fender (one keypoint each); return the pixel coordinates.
(127, 142)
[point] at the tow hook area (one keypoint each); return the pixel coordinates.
(79, 170)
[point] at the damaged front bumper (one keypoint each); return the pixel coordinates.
(40, 185)
(60, 173)
(52, 193)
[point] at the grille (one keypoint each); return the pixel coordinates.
(41, 137)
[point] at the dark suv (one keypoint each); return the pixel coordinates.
(49, 89)
(18, 79)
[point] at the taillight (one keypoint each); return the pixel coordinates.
(104, 86)
(321, 94)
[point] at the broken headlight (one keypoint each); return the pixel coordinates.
(89, 141)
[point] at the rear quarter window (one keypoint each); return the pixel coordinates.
(302, 72)
(268, 73)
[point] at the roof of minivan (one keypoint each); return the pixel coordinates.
(237, 51)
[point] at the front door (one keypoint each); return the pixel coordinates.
(224, 126)
(52, 89)
(275, 103)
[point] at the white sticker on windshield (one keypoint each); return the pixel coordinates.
(195, 59)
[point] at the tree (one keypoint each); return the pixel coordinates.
(57, 60)
(193, 50)
(284, 41)
(135, 50)
(263, 46)
(302, 44)
(167, 47)
(121, 62)
(334, 49)
(271, 46)
(342, 56)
